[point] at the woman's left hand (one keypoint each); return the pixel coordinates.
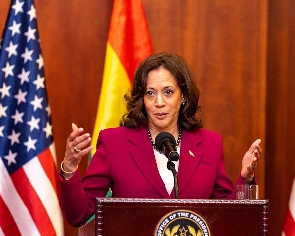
(250, 161)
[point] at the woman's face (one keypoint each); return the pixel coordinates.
(162, 100)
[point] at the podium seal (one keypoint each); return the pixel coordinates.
(182, 223)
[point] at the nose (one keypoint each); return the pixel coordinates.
(160, 100)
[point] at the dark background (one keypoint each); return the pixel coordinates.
(242, 53)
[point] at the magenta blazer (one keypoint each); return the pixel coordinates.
(125, 161)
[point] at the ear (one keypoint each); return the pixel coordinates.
(182, 99)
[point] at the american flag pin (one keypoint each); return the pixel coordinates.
(191, 153)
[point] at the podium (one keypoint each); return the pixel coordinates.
(171, 217)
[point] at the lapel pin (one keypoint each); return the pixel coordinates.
(191, 154)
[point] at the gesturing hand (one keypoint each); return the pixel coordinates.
(76, 148)
(250, 161)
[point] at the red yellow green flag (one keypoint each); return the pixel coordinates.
(127, 45)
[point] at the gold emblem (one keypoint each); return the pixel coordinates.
(182, 223)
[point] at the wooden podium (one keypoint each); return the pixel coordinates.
(171, 217)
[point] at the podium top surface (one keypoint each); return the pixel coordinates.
(121, 201)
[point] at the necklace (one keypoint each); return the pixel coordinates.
(177, 143)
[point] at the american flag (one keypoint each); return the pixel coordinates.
(29, 203)
(289, 226)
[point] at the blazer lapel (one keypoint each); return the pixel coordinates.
(190, 155)
(143, 154)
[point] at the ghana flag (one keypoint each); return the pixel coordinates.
(127, 45)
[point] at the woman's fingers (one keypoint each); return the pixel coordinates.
(81, 142)
(255, 146)
(250, 160)
(77, 147)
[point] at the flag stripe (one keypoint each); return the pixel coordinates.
(52, 151)
(115, 82)
(289, 226)
(16, 205)
(128, 44)
(49, 166)
(289, 229)
(292, 201)
(46, 193)
(31, 198)
(129, 34)
(7, 221)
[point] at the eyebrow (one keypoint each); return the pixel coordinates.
(166, 87)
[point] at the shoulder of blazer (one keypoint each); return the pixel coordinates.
(200, 135)
(132, 134)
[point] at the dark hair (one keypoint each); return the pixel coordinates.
(136, 114)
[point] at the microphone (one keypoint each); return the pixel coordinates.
(165, 143)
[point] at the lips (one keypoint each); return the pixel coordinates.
(161, 116)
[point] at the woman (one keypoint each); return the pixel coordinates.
(164, 98)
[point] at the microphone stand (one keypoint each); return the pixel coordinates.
(171, 166)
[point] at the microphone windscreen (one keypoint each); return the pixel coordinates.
(162, 137)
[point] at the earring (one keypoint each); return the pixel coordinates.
(183, 103)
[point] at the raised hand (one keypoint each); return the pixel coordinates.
(76, 148)
(250, 161)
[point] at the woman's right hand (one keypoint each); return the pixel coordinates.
(76, 148)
